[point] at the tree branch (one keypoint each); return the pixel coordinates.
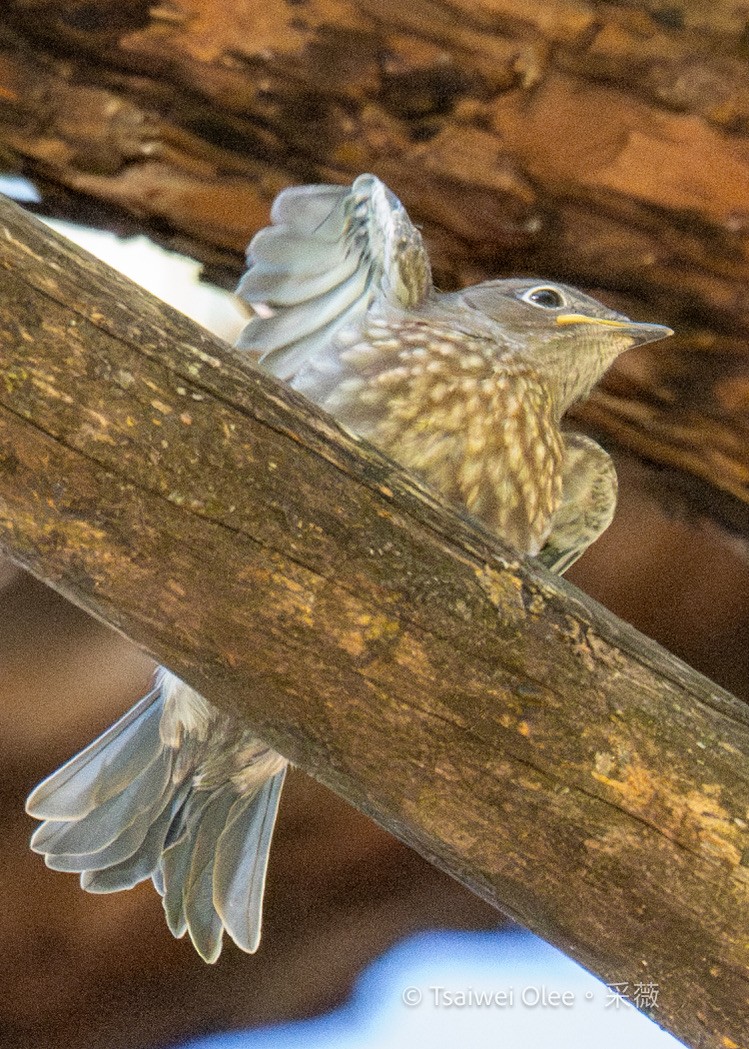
(554, 760)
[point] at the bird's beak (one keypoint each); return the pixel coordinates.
(640, 333)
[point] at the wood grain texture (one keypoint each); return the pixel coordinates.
(601, 143)
(550, 757)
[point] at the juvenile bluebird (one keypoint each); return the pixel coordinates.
(466, 389)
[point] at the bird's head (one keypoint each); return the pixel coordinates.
(569, 337)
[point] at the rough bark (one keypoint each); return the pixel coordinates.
(554, 760)
(604, 143)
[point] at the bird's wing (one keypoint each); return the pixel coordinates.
(330, 252)
(589, 492)
(559, 560)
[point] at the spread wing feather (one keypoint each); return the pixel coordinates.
(331, 253)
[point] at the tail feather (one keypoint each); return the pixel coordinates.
(129, 840)
(101, 771)
(193, 810)
(142, 863)
(158, 880)
(100, 827)
(203, 922)
(173, 869)
(242, 861)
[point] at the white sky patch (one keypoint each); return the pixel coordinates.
(503, 990)
(19, 188)
(173, 278)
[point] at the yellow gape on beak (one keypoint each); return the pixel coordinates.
(581, 318)
(641, 331)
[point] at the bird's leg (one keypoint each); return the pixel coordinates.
(589, 490)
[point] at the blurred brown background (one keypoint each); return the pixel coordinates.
(87, 971)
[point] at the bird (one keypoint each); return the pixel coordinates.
(468, 390)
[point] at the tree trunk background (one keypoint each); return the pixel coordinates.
(601, 143)
(604, 144)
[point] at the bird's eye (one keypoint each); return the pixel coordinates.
(546, 298)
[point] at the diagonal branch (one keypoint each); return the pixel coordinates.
(547, 755)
